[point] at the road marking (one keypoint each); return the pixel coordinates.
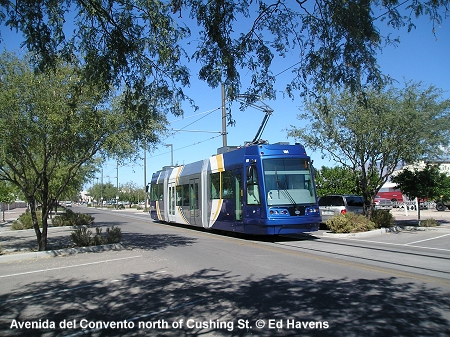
(437, 237)
(399, 244)
(72, 266)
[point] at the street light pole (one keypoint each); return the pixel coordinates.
(171, 153)
(145, 177)
(117, 184)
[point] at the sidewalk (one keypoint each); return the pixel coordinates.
(10, 216)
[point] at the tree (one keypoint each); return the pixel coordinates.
(131, 192)
(103, 192)
(422, 183)
(376, 132)
(52, 127)
(145, 46)
(336, 180)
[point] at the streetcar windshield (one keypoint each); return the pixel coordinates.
(288, 181)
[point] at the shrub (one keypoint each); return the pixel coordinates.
(70, 218)
(25, 222)
(83, 237)
(113, 235)
(429, 223)
(350, 223)
(382, 218)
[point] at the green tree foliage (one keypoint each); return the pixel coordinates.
(423, 183)
(145, 45)
(131, 192)
(52, 127)
(7, 193)
(376, 132)
(336, 180)
(127, 192)
(107, 191)
(7, 196)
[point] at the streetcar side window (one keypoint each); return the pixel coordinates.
(156, 192)
(215, 185)
(179, 197)
(185, 201)
(182, 195)
(227, 185)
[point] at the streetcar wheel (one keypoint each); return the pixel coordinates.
(440, 206)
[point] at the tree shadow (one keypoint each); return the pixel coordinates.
(155, 241)
(340, 307)
(19, 243)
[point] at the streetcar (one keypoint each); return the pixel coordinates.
(261, 189)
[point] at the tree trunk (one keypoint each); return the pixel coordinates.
(45, 210)
(35, 222)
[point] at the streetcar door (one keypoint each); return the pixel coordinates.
(238, 194)
(195, 213)
(238, 201)
(252, 195)
(172, 200)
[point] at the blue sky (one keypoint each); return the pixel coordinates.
(420, 56)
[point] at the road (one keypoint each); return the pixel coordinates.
(175, 281)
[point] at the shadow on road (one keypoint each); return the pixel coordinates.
(154, 241)
(380, 307)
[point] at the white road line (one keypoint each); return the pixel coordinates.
(72, 266)
(437, 237)
(400, 244)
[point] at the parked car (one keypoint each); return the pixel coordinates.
(68, 204)
(331, 205)
(382, 203)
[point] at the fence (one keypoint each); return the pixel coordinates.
(412, 205)
(17, 204)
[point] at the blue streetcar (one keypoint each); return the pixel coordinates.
(263, 189)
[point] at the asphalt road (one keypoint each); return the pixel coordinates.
(175, 281)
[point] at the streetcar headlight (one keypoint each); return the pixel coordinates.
(312, 210)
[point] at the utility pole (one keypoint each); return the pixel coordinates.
(117, 182)
(101, 190)
(224, 118)
(145, 177)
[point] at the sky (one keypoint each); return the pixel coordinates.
(420, 56)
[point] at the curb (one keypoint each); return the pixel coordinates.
(394, 229)
(356, 235)
(60, 252)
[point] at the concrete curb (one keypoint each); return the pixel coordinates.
(356, 235)
(394, 229)
(60, 252)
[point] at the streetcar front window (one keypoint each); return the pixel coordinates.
(288, 181)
